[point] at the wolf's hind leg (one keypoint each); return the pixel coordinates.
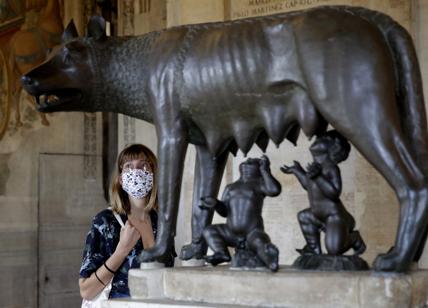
(383, 144)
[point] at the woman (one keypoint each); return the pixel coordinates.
(111, 250)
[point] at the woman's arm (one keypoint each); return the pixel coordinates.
(90, 287)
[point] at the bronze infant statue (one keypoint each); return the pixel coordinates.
(242, 204)
(323, 183)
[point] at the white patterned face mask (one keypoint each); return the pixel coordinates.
(137, 182)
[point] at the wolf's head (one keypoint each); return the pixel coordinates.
(66, 81)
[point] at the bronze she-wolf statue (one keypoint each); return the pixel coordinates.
(225, 86)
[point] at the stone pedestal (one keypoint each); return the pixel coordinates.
(220, 287)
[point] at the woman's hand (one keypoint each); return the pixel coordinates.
(129, 236)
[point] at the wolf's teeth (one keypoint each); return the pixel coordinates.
(42, 98)
(52, 99)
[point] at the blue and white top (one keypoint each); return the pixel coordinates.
(101, 242)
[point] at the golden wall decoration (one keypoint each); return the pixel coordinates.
(11, 14)
(38, 28)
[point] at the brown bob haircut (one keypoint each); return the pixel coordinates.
(119, 198)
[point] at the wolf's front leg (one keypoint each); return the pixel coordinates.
(208, 175)
(171, 153)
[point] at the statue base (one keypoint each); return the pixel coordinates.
(330, 263)
(220, 287)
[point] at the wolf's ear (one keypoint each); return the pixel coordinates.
(70, 32)
(97, 27)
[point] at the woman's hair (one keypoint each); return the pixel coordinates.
(119, 198)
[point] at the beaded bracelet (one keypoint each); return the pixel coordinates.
(111, 271)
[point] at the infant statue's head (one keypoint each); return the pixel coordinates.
(333, 144)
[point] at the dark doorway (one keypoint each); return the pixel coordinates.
(67, 202)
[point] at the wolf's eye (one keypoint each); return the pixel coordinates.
(67, 59)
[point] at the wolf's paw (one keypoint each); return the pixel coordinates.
(192, 251)
(390, 262)
(156, 253)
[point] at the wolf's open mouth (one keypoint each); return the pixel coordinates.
(46, 101)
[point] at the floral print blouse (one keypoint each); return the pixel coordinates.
(101, 242)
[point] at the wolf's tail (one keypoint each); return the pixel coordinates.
(409, 91)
